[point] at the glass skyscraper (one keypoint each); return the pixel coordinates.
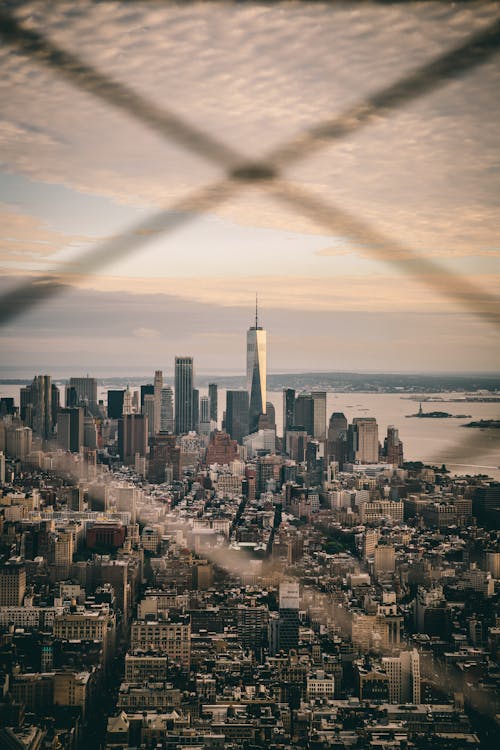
(256, 372)
(184, 417)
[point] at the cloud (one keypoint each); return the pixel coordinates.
(252, 76)
(146, 333)
(25, 238)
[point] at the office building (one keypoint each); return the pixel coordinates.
(128, 406)
(237, 414)
(167, 410)
(70, 396)
(184, 377)
(196, 409)
(288, 410)
(336, 444)
(319, 415)
(148, 408)
(296, 443)
(288, 615)
(70, 426)
(132, 437)
(170, 636)
(367, 448)
(256, 372)
(115, 404)
(86, 391)
(157, 388)
(41, 406)
(393, 447)
(404, 677)
(304, 413)
(12, 583)
(213, 396)
(146, 390)
(18, 441)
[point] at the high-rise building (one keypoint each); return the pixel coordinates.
(204, 409)
(86, 391)
(304, 413)
(256, 372)
(288, 410)
(146, 390)
(393, 447)
(367, 440)
(288, 615)
(41, 402)
(115, 404)
(296, 443)
(70, 429)
(132, 437)
(167, 410)
(184, 377)
(12, 583)
(2, 467)
(148, 408)
(158, 385)
(196, 409)
(237, 415)
(212, 395)
(128, 407)
(319, 415)
(18, 441)
(336, 438)
(71, 396)
(404, 677)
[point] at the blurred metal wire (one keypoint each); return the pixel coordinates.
(471, 52)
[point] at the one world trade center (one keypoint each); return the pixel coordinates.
(256, 372)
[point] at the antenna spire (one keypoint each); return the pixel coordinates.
(256, 312)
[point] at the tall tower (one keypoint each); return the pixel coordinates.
(256, 371)
(158, 385)
(184, 421)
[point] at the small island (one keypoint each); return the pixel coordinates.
(491, 423)
(436, 415)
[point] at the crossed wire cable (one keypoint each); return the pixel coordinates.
(474, 51)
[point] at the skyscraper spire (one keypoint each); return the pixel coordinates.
(256, 313)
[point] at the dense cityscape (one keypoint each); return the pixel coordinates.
(174, 574)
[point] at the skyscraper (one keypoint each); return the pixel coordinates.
(70, 429)
(167, 410)
(393, 447)
(336, 445)
(237, 415)
(158, 385)
(148, 408)
(304, 412)
(86, 391)
(288, 410)
(196, 409)
(132, 437)
(319, 415)
(212, 395)
(184, 421)
(115, 404)
(288, 615)
(256, 372)
(367, 439)
(41, 394)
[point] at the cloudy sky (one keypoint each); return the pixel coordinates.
(92, 171)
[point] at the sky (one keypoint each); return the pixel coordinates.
(82, 172)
